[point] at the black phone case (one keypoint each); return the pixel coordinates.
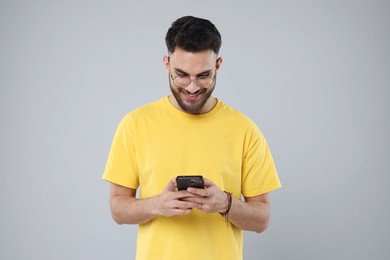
(183, 182)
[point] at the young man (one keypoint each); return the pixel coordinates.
(190, 133)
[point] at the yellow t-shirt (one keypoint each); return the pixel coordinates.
(158, 142)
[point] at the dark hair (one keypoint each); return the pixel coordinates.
(193, 34)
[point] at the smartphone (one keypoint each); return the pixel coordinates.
(185, 181)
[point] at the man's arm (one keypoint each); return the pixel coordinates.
(127, 209)
(252, 215)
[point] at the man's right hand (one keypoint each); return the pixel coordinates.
(169, 202)
(127, 209)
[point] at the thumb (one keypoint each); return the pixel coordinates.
(208, 183)
(171, 185)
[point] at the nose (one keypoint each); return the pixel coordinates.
(192, 87)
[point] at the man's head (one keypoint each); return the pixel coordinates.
(193, 46)
(193, 34)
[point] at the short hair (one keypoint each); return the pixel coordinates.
(193, 34)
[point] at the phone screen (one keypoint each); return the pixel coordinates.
(185, 181)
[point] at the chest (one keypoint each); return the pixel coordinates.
(166, 151)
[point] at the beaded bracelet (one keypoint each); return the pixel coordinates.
(226, 212)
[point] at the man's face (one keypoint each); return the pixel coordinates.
(192, 98)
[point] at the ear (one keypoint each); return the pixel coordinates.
(166, 63)
(219, 62)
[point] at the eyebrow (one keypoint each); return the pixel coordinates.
(177, 70)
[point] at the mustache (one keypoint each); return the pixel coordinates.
(199, 91)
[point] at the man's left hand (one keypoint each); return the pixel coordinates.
(212, 199)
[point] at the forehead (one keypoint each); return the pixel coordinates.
(191, 62)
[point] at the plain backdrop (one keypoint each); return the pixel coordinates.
(313, 75)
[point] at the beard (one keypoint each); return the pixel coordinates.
(188, 106)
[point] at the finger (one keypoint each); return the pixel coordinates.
(179, 195)
(180, 211)
(196, 191)
(171, 185)
(197, 200)
(187, 205)
(208, 183)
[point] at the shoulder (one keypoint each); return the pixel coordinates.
(146, 110)
(140, 115)
(238, 118)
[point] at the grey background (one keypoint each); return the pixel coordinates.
(314, 75)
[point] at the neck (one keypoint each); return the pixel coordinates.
(210, 104)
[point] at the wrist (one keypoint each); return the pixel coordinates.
(229, 199)
(155, 203)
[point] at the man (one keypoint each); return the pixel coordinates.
(190, 133)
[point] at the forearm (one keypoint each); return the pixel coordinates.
(252, 216)
(129, 210)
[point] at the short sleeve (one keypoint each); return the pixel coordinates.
(121, 167)
(259, 173)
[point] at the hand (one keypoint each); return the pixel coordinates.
(172, 202)
(210, 199)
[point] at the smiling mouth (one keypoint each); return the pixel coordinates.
(192, 96)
